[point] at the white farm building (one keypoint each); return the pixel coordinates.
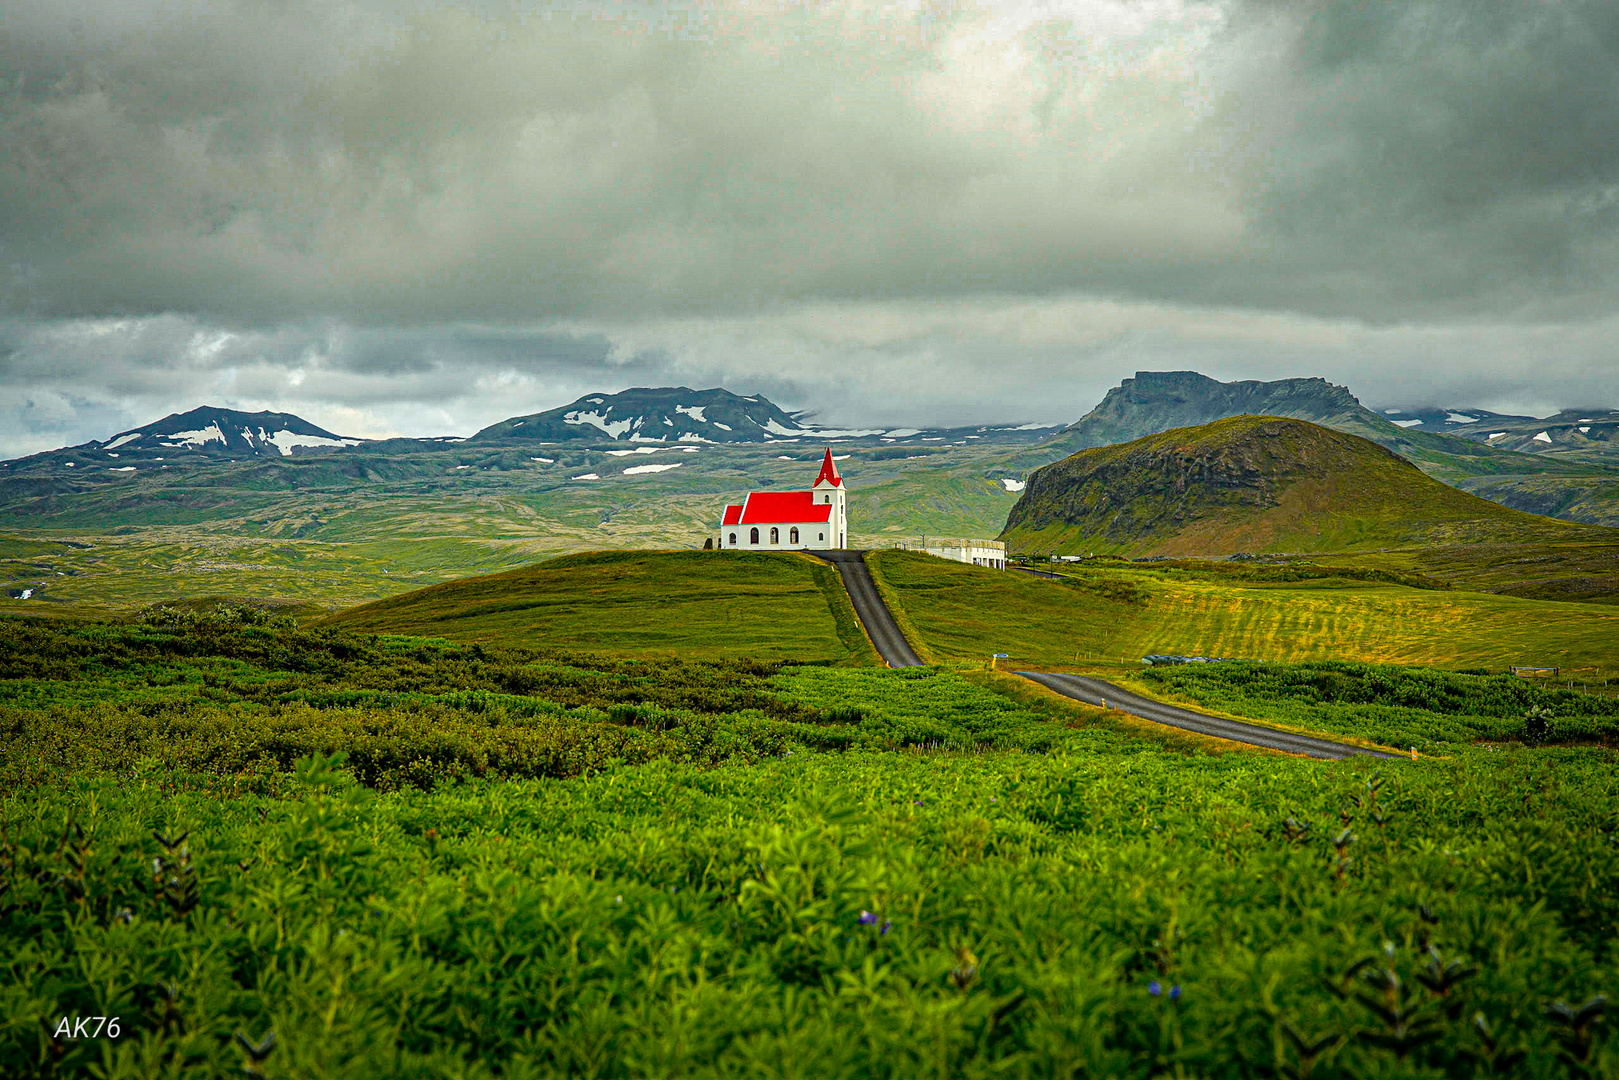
(814, 520)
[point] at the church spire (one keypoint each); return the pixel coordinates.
(829, 472)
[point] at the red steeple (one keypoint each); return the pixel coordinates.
(829, 472)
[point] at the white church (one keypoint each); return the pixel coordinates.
(815, 520)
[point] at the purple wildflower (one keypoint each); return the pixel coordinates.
(886, 925)
(1154, 988)
(867, 918)
(1175, 992)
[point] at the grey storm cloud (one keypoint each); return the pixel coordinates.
(429, 214)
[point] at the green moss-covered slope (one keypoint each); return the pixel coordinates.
(1255, 484)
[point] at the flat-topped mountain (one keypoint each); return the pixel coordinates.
(203, 433)
(1254, 484)
(1157, 401)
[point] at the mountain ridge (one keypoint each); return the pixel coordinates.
(654, 414)
(206, 432)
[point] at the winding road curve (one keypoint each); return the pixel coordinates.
(897, 652)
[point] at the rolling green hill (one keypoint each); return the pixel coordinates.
(693, 604)
(1256, 484)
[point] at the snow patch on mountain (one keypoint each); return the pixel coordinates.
(201, 437)
(285, 440)
(122, 440)
(613, 428)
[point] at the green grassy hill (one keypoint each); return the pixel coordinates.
(1255, 484)
(1121, 613)
(692, 604)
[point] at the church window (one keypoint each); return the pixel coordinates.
(733, 539)
(753, 536)
(775, 535)
(820, 536)
(792, 537)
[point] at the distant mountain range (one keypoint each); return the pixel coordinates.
(1459, 446)
(1569, 432)
(674, 414)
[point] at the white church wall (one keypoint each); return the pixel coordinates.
(814, 536)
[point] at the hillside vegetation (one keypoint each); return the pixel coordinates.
(773, 605)
(294, 853)
(1255, 484)
(1121, 614)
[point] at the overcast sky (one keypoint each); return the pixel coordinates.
(423, 218)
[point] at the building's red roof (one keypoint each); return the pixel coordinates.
(781, 508)
(733, 515)
(829, 471)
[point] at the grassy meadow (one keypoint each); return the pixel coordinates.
(310, 852)
(660, 813)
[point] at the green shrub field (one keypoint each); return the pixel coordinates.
(1393, 706)
(283, 852)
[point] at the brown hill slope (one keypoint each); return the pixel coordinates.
(1256, 484)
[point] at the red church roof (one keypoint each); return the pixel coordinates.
(779, 508)
(829, 471)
